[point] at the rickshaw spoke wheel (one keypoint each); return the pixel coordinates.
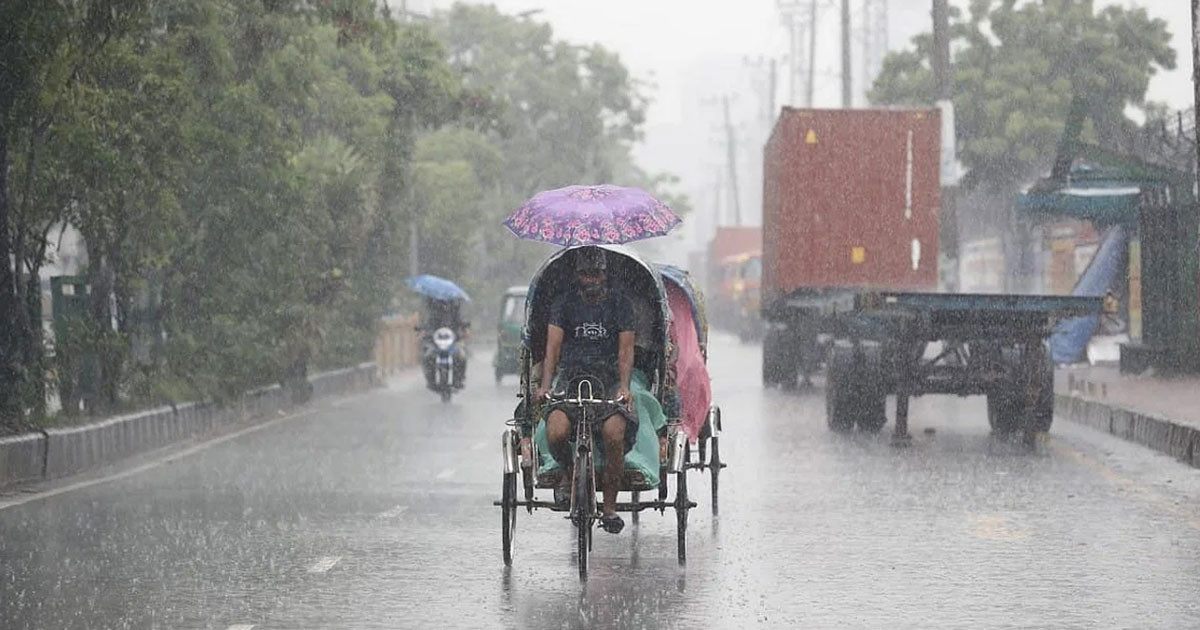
(714, 466)
(681, 512)
(508, 515)
(585, 506)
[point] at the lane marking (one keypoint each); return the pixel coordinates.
(478, 445)
(445, 474)
(324, 564)
(241, 626)
(394, 512)
(1154, 499)
(995, 527)
(173, 457)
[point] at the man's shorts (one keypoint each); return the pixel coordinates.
(598, 413)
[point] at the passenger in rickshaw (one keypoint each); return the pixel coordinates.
(591, 332)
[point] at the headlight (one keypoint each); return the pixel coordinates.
(443, 338)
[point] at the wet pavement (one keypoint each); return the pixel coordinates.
(375, 511)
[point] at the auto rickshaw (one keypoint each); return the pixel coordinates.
(508, 332)
(650, 463)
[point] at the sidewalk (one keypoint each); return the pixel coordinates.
(1160, 412)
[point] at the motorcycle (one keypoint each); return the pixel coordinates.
(442, 351)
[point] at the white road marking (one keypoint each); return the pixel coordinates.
(4, 505)
(324, 564)
(478, 445)
(446, 474)
(241, 626)
(394, 512)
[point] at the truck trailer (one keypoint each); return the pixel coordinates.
(850, 256)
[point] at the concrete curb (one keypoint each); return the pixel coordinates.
(59, 452)
(1177, 440)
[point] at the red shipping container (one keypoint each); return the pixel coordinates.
(850, 199)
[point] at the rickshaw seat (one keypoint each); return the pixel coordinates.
(641, 459)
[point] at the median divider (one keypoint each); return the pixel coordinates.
(1179, 440)
(62, 451)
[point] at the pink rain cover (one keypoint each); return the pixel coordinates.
(691, 374)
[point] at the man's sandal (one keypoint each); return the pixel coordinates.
(612, 523)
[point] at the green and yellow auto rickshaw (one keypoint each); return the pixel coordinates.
(508, 332)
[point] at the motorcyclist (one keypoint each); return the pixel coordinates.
(591, 329)
(443, 314)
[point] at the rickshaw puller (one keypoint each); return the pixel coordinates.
(591, 330)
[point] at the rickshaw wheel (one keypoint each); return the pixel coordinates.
(633, 518)
(585, 502)
(508, 515)
(499, 375)
(681, 511)
(714, 466)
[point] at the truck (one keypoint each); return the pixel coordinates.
(729, 251)
(850, 280)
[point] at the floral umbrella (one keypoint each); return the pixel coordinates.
(592, 215)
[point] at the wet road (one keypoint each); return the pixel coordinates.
(375, 511)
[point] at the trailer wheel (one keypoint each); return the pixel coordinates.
(1042, 415)
(779, 367)
(839, 390)
(1004, 412)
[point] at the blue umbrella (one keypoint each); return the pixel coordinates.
(437, 288)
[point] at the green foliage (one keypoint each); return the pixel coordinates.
(1016, 66)
(561, 114)
(245, 175)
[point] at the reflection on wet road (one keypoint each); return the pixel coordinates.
(375, 512)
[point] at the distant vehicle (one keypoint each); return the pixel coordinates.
(850, 225)
(443, 346)
(508, 332)
(728, 252)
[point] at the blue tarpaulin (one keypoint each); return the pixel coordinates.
(1068, 343)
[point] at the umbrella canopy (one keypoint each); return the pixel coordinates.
(437, 288)
(592, 215)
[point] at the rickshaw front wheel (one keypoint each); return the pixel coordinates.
(508, 515)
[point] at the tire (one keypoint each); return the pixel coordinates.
(585, 512)
(780, 364)
(714, 467)
(839, 395)
(1004, 413)
(508, 516)
(681, 515)
(499, 376)
(445, 396)
(854, 392)
(633, 518)
(1007, 411)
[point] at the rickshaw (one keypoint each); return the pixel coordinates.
(692, 401)
(508, 332)
(661, 448)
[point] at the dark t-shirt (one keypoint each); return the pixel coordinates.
(590, 332)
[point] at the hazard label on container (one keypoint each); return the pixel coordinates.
(858, 255)
(810, 137)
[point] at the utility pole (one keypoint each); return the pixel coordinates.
(812, 53)
(731, 159)
(875, 40)
(792, 14)
(941, 50)
(847, 96)
(1196, 70)
(771, 89)
(944, 97)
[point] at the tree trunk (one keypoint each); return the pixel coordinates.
(11, 341)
